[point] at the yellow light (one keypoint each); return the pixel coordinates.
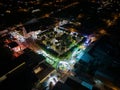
(82, 47)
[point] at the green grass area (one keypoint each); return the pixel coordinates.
(54, 62)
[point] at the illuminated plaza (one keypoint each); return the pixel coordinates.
(59, 45)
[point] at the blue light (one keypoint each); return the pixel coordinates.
(85, 36)
(89, 86)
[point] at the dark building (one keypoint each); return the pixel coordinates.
(107, 60)
(71, 84)
(100, 61)
(31, 58)
(61, 86)
(21, 75)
